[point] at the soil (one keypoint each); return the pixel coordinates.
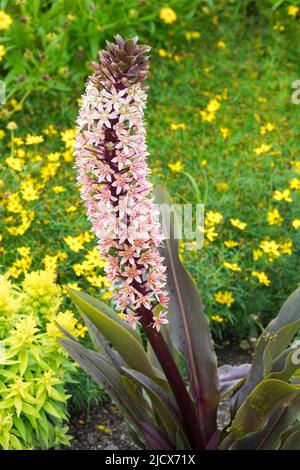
(106, 429)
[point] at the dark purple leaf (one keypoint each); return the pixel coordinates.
(156, 440)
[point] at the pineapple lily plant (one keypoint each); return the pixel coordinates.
(169, 389)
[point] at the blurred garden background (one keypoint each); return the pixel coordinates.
(222, 131)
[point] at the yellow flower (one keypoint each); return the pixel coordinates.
(13, 203)
(278, 27)
(217, 318)
(29, 193)
(225, 132)
(238, 224)
(50, 263)
(206, 116)
(164, 53)
(73, 286)
(262, 277)
(286, 247)
(210, 233)
(296, 164)
(293, 10)
(50, 130)
(34, 139)
(257, 254)
(225, 298)
(2, 134)
(5, 20)
(74, 243)
(176, 167)
(167, 15)
(53, 157)
(81, 330)
(221, 186)
(175, 127)
(2, 52)
(24, 250)
(15, 105)
(68, 137)
(264, 148)
(15, 163)
(268, 127)
(274, 218)
(18, 142)
(98, 281)
(103, 428)
(58, 189)
(50, 36)
(232, 266)
(295, 183)
(221, 45)
(213, 105)
(189, 35)
(71, 209)
(69, 322)
(296, 223)
(48, 171)
(27, 218)
(282, 195)
(213, 217)
(271, 248)
(107, 295)
(230, 243)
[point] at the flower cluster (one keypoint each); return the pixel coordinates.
(112, 172)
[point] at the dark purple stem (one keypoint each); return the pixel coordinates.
(175, 380)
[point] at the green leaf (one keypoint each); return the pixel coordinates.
(29, 410)
(15, 443)
(18, 405)
(23, 361)
(268, 411)
(189, 326)
(285, 325)
(123, 340)
(290, 440)
(52, 410)
(284, 367)
(8, 403)
(20, 427)
(102, 345)
(104, 308)
(278, 344)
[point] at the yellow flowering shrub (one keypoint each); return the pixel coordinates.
(34, 370)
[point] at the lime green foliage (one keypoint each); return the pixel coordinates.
(34, 370)
(42, 295)
(219, 109)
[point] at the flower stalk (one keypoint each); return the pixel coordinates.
(113, 175)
